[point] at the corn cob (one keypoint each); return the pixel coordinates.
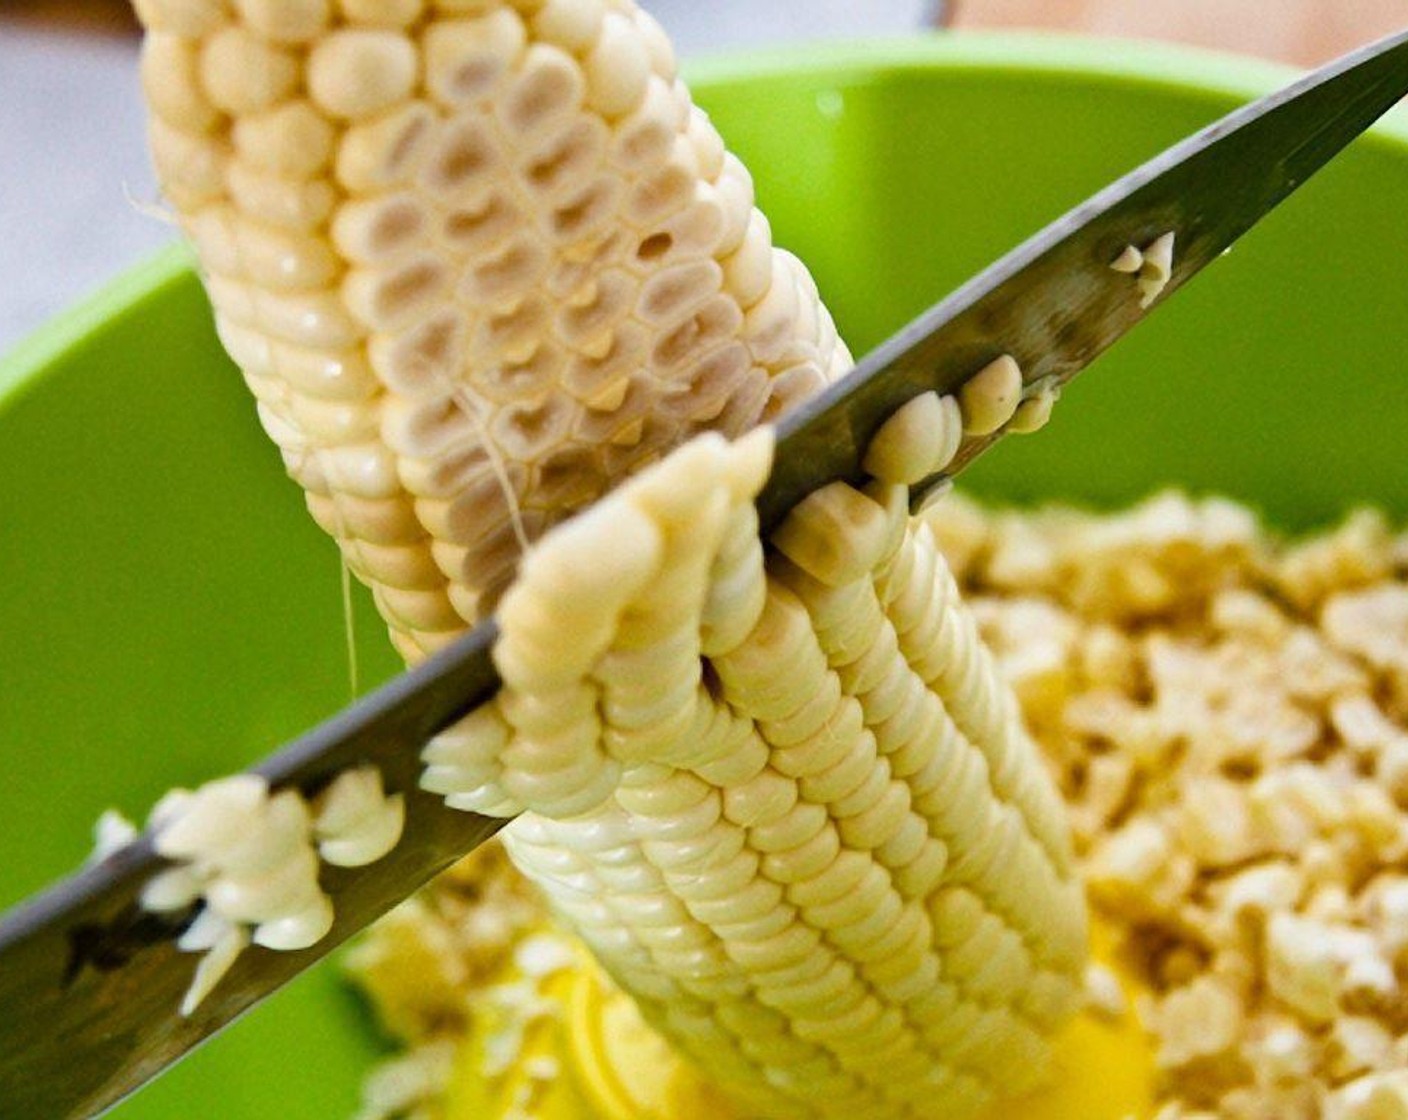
(840, 887)
(479, 261)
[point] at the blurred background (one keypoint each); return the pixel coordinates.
(77, 199)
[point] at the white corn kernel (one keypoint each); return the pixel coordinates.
(243, 73)
(171, 83)
(917, 441)
(1034, 413)
(617, 68)
(1129, 261)
(1156, 269)
(479, 311)
(1301, 968)
(292, 140)
(990, 397)
(357, 73)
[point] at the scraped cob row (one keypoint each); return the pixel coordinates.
(479, 261)
(476, 259)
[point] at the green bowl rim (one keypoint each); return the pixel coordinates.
(1133, 62)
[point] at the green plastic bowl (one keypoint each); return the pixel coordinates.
(170, 613)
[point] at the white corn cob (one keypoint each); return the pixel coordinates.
(789, 805)
(480, 260)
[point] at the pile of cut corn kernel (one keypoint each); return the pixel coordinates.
(1228, 719)
(426, 966)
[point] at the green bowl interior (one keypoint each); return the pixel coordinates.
(171, 613)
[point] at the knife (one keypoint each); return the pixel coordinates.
(90, 984)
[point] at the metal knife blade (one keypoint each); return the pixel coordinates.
(1054, 304)
(90, 985)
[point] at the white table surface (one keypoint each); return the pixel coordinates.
(77, 198)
